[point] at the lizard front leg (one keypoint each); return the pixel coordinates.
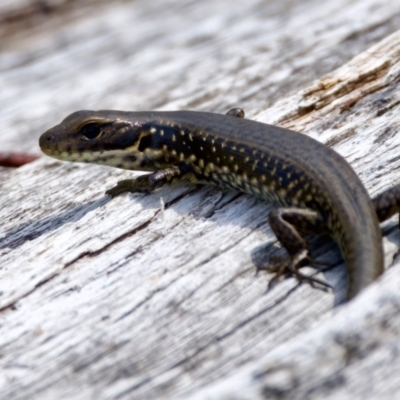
(150, 182)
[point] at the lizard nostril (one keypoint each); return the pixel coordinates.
(46, 139)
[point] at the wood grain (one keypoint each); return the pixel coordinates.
(124, 299)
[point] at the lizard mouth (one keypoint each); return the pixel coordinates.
(55, 148)
(65, 152)
(68, 155)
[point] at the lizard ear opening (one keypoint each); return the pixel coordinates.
(90, 131)
(145, 143)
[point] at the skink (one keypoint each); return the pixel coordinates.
(315, 189)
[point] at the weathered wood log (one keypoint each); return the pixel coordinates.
(157, 296)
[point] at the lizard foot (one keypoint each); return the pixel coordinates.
(290, 265)
(130, 185)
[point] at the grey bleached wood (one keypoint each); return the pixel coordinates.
(117, 299)
(203, 56)
(355, 354)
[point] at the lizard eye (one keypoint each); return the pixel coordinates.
(90, 131)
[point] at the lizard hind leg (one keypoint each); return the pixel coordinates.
(287, 223)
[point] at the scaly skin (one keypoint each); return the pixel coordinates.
(316, 190)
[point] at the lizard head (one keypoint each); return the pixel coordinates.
(100, 137)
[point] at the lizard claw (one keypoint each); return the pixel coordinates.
(290, 265)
